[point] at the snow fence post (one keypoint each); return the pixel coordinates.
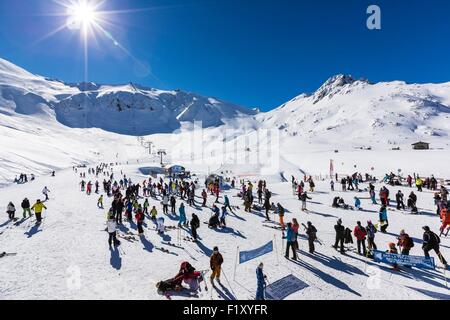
(235, 263)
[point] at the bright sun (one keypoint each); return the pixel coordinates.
(81, 15)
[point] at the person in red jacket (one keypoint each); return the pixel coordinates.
(140, 220)
(204, 196)
(445, 219)
(360, 233)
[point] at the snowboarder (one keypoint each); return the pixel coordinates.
(215, 262)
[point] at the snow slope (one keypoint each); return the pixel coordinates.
(67, 257)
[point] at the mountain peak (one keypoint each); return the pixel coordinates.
(334, 84)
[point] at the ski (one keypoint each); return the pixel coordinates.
(5, 254)
(273, 227)
(166, 251)
(189, 239)
(172, 245)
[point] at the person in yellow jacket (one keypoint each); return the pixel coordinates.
(419, 183)
(153, 213)
(38, 207)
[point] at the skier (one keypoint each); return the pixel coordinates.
(100, 202)
(419, 184)
(445, 219)
(303, 198)
(227, 203)
(393, 250)
(173, 202)
(280, 211)
(45, 192)
(26, 207)
(38, 207)
(204, 197)
(261, 282)
(223, 216)
(215, 262)
(112, 229)
(267, 206)
(360, 233)
(140, 220)
(339, 228)
(195, 224)
(399, 198)
(383, 218)
(160, 225)
(290, 242)
(311, 231)
(357, 203)
(165, 203)
(11, 210)
(405, 243)
(431, 242)
(371, 230)
(182, 220)
(153, 213)
(332, 185)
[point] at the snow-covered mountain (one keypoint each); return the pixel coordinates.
(47, 124)
(126, 109)
(357, 112)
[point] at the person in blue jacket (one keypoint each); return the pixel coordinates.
(183, 220)
(261, 282)
(357, 203)
(383, 217)
(227, 203)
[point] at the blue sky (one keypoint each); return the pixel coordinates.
(257, 53)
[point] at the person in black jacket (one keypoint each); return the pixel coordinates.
(431, 242)
(340, 234)
(26, 207)
(399, 198)
(195, 224)
(311, 232)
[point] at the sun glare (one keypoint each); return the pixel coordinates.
(81, 15)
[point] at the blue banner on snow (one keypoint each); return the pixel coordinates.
(415, 261)
(245, 256)
(284, 287)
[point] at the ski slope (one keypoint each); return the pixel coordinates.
(67, 257)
